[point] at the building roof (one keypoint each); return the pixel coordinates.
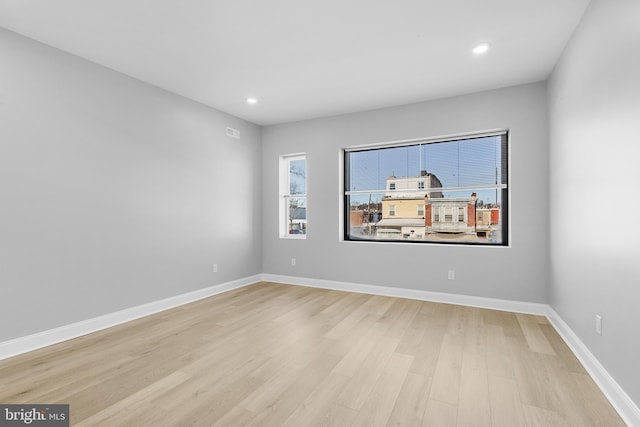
(451, 200)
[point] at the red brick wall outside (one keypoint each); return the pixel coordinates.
(356, 217)
(495, 216)
(471, 214)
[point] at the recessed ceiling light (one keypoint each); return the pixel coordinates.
(252, 101)
(480, 49)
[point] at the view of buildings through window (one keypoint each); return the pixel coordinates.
(452, 191)
(293, 192)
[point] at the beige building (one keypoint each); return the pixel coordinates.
(403, 206)
(401, 218)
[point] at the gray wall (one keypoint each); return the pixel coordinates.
(594, 98)
(113, 193)
(519, 272)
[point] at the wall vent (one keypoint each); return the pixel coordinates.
(233, 133)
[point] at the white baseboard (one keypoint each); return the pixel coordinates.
(471, 301)
(626, 408)
(63, 333)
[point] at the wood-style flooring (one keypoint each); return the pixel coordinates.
(278, 355)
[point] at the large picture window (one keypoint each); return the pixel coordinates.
(452, 190)
(293, 196)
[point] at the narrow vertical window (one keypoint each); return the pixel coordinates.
(293, 196)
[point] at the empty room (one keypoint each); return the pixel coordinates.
(238, 213)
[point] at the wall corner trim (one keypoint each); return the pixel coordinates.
(39, 340)
(626, 408)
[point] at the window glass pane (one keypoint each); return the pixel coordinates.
(448, 217)
(296, 216)
(465, 163)
(447, 191)
(297, 176)
(370, 169)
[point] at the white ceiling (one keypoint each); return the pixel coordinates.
(303, 59)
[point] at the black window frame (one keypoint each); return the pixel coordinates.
(505, 206)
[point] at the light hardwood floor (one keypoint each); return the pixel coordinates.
(277, 355)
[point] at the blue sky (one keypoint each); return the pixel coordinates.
(462, 163)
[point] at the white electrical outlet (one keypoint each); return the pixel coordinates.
(293, 262)
(598, 324)
(451, 275)
(215, 268)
